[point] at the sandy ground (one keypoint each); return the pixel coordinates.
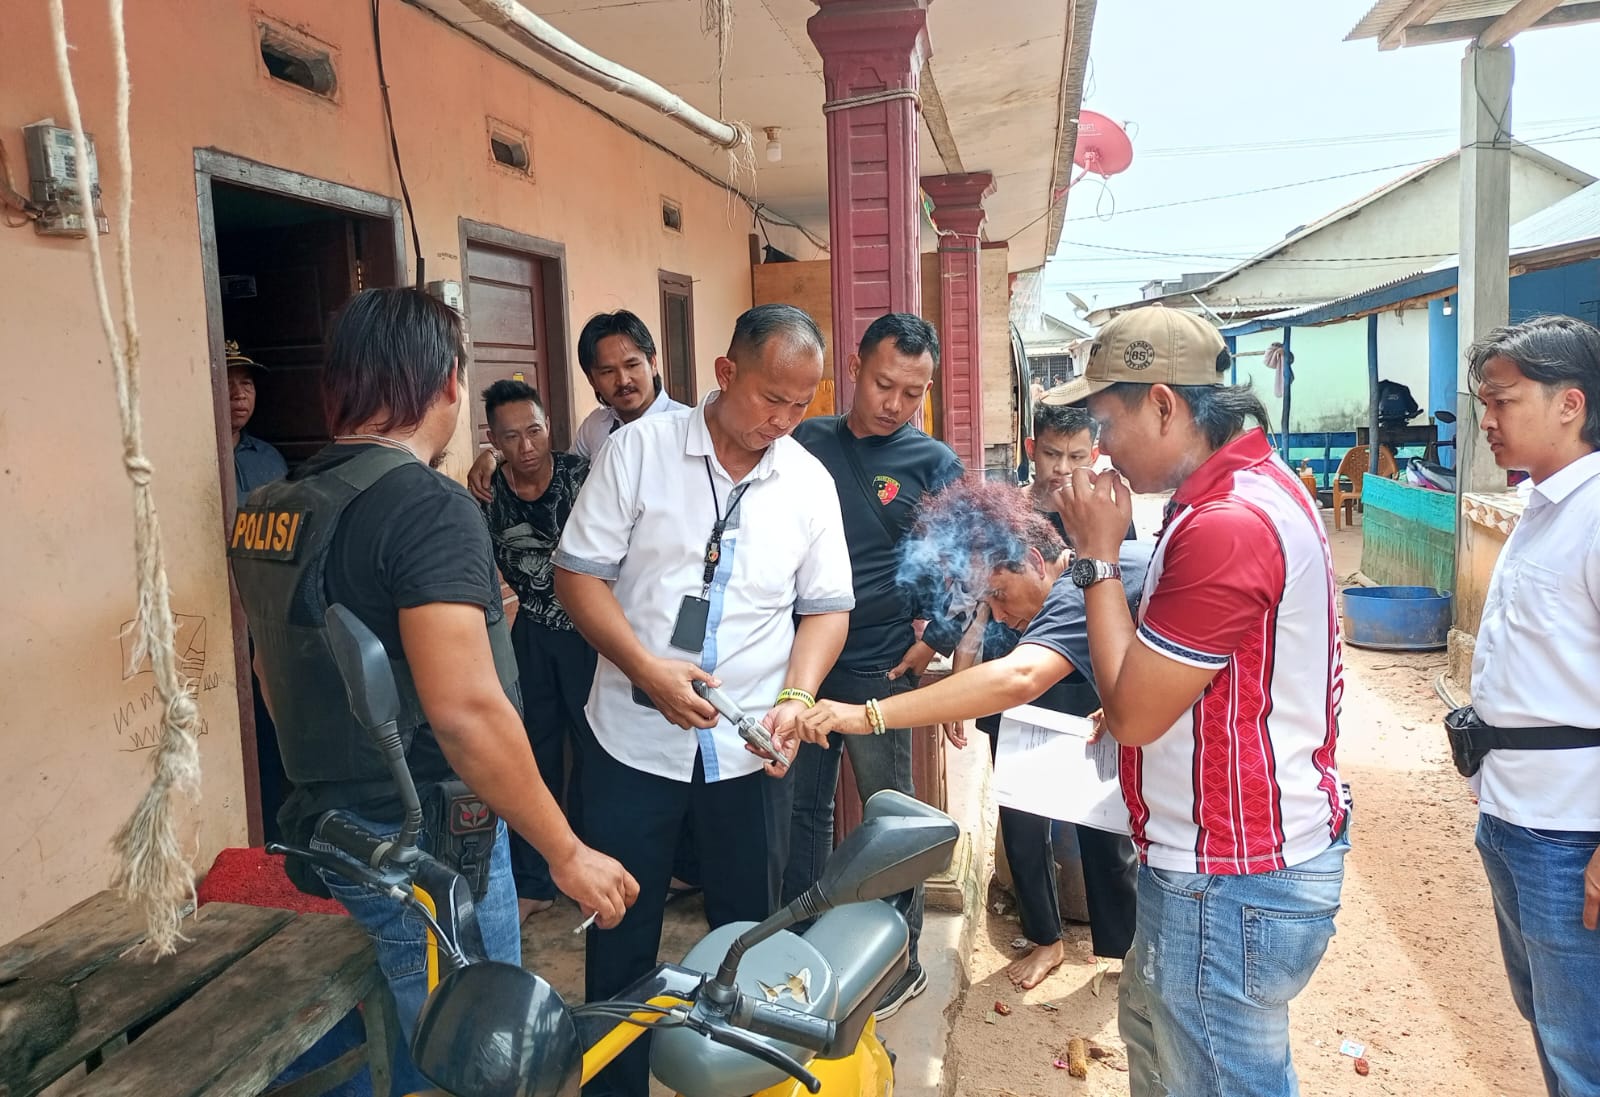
(1413, 973)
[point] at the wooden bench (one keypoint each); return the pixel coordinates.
(247, 994)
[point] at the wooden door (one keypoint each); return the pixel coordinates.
(505, 298)
(677, 335)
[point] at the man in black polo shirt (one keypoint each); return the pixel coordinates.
(883, 467)
(530, 497)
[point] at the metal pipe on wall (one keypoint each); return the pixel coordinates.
(527, 29)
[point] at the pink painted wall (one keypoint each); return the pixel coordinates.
(70, 718)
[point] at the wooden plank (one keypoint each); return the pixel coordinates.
(324, 1078)
(1417, 13)
(1460, 30)
(1522, 16)
(240, 1030)
(72, 944)
(115, 992)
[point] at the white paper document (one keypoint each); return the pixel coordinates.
(1045, 765)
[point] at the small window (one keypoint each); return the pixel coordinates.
(511, 153)
(297, 63)
(671, 215)
(509, 146)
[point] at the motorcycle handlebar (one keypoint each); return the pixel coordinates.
(782, 1023)
(341, 830)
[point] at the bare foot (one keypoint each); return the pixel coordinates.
(527, 908)
(1035, 967)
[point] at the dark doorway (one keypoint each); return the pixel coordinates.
(281, 252)
(677, 335)
(285, 266)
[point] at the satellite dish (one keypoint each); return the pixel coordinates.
(1103, 147)
(1078, 307)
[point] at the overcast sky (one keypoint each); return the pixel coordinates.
(1235, 95)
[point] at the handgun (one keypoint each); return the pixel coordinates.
(749, 728)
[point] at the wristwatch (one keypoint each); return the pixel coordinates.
(1086, 572)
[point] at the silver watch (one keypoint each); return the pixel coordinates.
(1086, 573)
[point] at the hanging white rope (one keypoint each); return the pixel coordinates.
(152, 869)
(717, 18)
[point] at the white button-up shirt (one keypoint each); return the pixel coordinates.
(1537, 659)
(603, 422)
(642, 522)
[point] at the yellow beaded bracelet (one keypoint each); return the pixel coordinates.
(792, 694)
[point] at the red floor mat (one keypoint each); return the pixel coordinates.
(256, 878)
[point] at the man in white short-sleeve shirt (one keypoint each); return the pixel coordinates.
(1534, 682)
(699, 538)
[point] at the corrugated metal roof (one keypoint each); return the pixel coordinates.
(1572, 221)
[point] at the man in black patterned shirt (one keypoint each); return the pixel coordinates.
(530, 498)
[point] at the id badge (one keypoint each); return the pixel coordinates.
(689, 634)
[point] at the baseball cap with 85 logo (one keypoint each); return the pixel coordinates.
(1150, 345)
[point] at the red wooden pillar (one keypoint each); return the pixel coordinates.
(958, 213)
(871, 48)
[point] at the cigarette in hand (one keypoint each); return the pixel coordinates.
(586, 923)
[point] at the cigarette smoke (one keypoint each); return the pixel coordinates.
(962, 535)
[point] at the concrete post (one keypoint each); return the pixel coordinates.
(958, 214)
(1484, 300)
(1485, 295)
(871, 48)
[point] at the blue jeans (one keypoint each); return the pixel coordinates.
(878, 762)
(399, 938)
(1536, 878)
(1204, 1001)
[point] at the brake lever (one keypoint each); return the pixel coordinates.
(396, 887)
(722, 1033)
(392, 886)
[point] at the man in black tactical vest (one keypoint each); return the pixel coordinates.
(369, 524)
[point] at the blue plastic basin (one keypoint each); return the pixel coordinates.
(1397, 618)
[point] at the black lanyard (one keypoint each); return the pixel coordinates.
(714, 542)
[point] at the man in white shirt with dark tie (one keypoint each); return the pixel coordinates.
(1536, 689)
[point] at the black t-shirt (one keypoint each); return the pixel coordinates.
(1062, 626)
(412, 539)
(900, 469)
(525, 533)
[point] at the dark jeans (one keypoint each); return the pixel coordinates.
(555, 668)
(1110, 879)
(878, 761)
(401, 945)
(636, 817)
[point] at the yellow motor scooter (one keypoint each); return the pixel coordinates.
(754, 1008)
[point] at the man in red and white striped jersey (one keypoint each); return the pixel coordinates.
(1224, 694)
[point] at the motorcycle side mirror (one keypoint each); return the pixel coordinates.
(364, 666)
(900, 843)
(497, 1030)
(1445, 416)
(369, 684)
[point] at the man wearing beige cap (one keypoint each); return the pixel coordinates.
(1224, 692)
